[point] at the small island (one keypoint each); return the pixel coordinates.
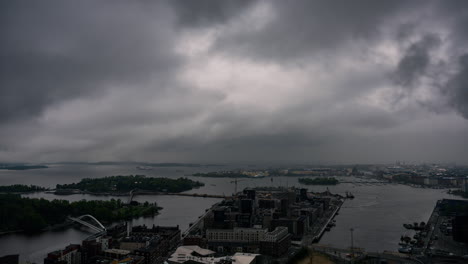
(318, 181)
(32, 215)
(21, 167)
(125, 184)
(21, 188)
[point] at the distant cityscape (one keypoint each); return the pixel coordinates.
(430, 176)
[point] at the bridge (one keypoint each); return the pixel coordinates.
(366, 182)
(131, 195)
(99, 228)
(134, 192)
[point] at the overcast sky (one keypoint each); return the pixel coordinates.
(234, 81)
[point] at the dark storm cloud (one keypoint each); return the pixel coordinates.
(301, 28)
(207, 12)
(54, 50)
(447, 75)
(415, 61)
(457, 87)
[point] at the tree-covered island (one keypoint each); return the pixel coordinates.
(124, 184)
(318, 181)
(31, 215)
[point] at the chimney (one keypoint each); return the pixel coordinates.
(129, 228)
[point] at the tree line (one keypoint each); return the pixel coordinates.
(32, 215)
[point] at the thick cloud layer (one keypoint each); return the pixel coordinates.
(415, 61)
(234, 81)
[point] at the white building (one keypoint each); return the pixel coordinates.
(276, 235)
(205, 256)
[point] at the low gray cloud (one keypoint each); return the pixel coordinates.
(227, 81)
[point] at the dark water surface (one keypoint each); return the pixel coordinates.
(376, 214)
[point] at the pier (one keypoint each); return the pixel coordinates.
(315, 235)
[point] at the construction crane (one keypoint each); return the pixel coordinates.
(235, 185)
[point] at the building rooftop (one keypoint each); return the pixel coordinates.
(188, 253)
(117, 251)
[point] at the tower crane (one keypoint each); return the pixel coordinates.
(235, 181)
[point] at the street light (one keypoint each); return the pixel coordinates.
(352, 243)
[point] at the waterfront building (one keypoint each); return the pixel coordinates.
(153, 248)
(152, 243)
(70, 255)
(275, 243)
(248, 240)
(154, 253)
(135, 242)
(90, 249)
(171, 234)
(236, 234)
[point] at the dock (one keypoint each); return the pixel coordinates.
(317, 237)
(314, 237)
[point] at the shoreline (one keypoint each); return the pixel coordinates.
(68, 224)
